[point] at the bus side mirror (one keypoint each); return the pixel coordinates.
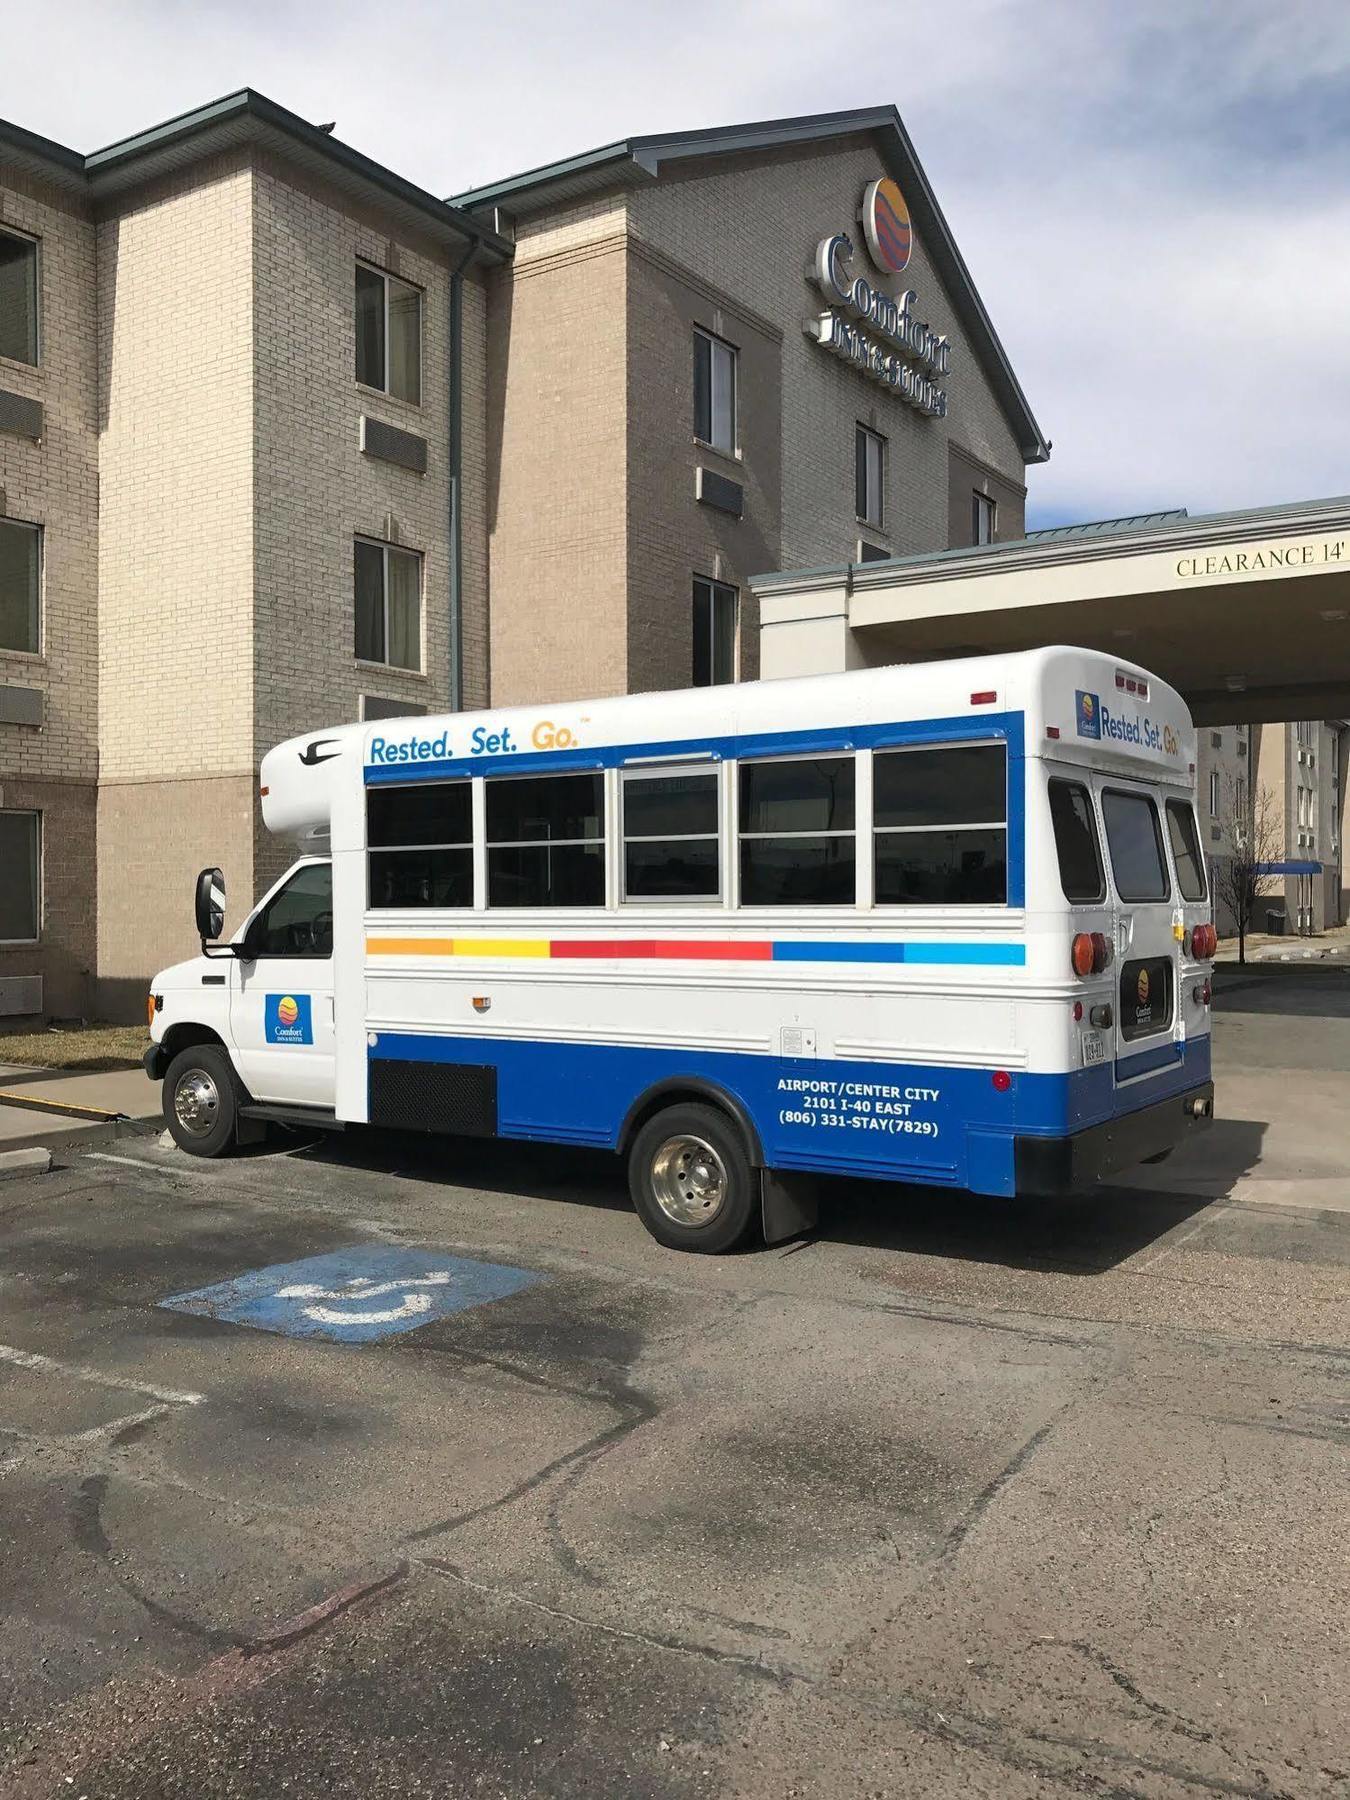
(210, 905)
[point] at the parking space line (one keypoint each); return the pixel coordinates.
(33, 1359)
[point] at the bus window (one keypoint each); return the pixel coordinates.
(1186, 849)
(1080, 854)
(797, 832)
(941, 829)
(1135, 840)
(670, 838)
(420, 843)
(546, 840)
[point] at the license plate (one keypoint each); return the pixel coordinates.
(1094, 1048)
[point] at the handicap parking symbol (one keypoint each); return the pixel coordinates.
(356, 1295)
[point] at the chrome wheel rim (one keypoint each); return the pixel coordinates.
(196, 1102)
(689, 1180)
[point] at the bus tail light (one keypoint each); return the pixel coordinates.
(1204, 942)
(1002, 1081)
(1089, 953)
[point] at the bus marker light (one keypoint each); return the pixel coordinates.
(1052, 731)
(481, 1003)
(1077, 1012)
(984, 699)
(1002, 1081)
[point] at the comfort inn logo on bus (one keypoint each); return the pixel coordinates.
(1097, 721)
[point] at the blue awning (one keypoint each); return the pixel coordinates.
(1289, 868)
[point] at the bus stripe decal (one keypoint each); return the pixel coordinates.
(703, 950)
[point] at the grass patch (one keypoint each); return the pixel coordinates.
(92, 1048)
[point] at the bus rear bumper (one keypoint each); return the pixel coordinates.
(1049, 1166)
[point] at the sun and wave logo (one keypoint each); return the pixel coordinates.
(288, 1010)
(1142, 987)
(886, 223)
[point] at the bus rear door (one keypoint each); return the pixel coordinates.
(1148, 1035)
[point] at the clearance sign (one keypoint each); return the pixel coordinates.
(864, 324)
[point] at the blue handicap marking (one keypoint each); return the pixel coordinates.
(357, 1295)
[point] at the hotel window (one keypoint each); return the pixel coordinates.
(714, 392)
(714, 633)
(388, 604)
(869, 472)
(1214, 793)
(388, 334)
(941, 826)
(797, 835)
(983, 519)
(546, 840)
(18, 297)
(20, 587)
(20, 876)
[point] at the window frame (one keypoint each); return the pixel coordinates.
(489, 844)
(655, 772)
(40, 535)
(35, 814)
(1160, 842)
(1174, 806)
(982, 505)
(1084, 787)
(255, 924)
(740, 836)
(716, 590)
(864, 438)
(716, 343)
(383, 545)
(878, 832)
(1214, 794)
(386, 276)
(29, 237)
(470, 843)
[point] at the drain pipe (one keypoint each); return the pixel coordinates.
(456, 458)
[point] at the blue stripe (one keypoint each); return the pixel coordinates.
(581, 1093)
(1001, 727)
(1002, 955)
(1160, 1058)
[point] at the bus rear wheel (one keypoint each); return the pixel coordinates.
(691, 1180)
(201, 1100)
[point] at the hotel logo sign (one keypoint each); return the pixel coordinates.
(866, 326)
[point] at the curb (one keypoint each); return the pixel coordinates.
(36, 1160)
(72, 1133)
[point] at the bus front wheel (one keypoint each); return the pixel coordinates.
(201, 1100)
(692, 1181)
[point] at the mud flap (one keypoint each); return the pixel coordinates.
(788, 1204)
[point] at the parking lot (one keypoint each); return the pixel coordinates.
(382, 1466)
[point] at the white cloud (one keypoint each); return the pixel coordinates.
(1151, 196)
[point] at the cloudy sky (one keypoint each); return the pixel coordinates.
(1152, 195)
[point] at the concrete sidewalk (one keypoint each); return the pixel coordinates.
(50, 1106)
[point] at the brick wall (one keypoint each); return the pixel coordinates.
(556, 422)
(750, 225)
(54, 483)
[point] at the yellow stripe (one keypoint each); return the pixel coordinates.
(443, 946)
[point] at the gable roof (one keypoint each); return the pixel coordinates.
(239, 118)
(631, 162)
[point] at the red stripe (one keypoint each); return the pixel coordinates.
(662, 949)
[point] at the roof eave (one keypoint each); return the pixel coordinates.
(249, 115)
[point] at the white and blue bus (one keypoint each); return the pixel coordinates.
(945, 923)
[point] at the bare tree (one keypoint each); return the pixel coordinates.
(1256, 832)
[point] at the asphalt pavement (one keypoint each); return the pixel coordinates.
(377, 1466)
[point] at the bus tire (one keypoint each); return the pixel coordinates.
(201, 1100)
(692, 1181)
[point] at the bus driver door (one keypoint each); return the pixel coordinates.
(281, 1005)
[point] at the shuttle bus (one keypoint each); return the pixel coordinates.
(945, 923)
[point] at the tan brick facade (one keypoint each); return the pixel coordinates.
(53, 483)
(596, 533)
(201, 483)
